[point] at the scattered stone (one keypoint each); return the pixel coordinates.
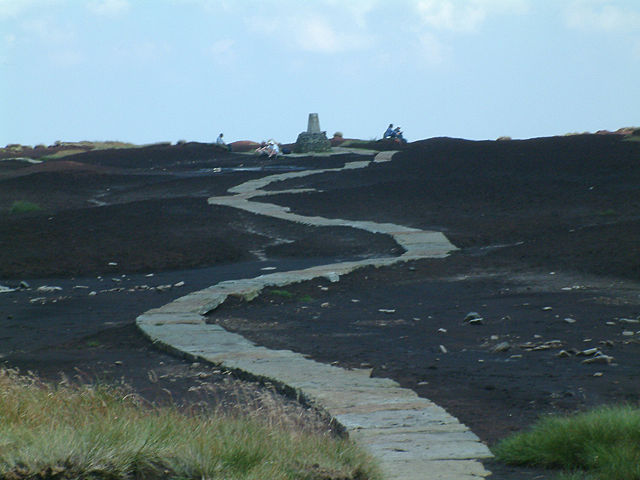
(195, 365)
(162, 288)
(118, 363)
(590, 351)
(153, 376)
(355, 300)
(502, 347)
(442, 330)
(4, 289)
(324, 289)
(179, 284)
(387, 310)
(627, 333)
(608, 343)
(598, 374)
(268, 268)
(115, 280)
(324, 305)
(113, 264)
(92, 293)
(628, 320)
(570, 320)
(563, 354)
(149, 275)
(611, 323)
(599, 359)
(423, 383)
(48, 289)
(38, 300)
(546, 309)
(494, 337)
(24, 285)
(587, 340)
(443, 349)
(475, 321)
(517, 355)
(471, 316)
(80, 287)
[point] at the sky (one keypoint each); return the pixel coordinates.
(147, 71)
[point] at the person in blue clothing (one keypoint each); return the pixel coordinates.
(397, 135)
(389, 133)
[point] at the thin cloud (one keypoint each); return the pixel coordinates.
(465, 16)
(602, 16)
(109, 8)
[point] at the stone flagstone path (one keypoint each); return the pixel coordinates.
(412, 437)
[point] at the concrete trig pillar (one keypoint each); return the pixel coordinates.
(314, 123)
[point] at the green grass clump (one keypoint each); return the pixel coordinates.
(99, 432)
(602, 444)
(281, 293)
(21, 206)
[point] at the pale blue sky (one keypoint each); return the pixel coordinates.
(163, 70)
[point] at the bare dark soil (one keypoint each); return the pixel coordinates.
(547, 230)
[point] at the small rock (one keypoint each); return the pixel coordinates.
(590, 351)
(354, 300)
(546, 309)
(627, 333)
(628, 320)
(4, 289)
(179, 284)
(48, 289)
(268, 268)
(611, 323)
(24, 285)
(195, 365)
(92, 293)
(598, 374)
(502, 347)
(80, 287)
(387, 310)
(113, 264)
(38, 300)
(472, 315)
(118, 363)
(494, 337)
(599, 359)
(570, 320)
(475, 321)
(325, 305)
(442, 330)
(149, 275)
(516, 356)
(443, 349)
(563, 354)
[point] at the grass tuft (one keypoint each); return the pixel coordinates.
(603, 444)
(100, 432)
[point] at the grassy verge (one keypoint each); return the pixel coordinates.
(602, 444)
(100, 433)
(21, 206)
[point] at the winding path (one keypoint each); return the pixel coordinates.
(412, 437)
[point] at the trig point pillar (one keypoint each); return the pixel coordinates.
(313, 140)
(314, 123)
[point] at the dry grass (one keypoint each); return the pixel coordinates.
(65, 432)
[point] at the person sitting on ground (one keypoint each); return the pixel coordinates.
(389, 133)
(220, 141)
(397, 135)
(274, 149)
